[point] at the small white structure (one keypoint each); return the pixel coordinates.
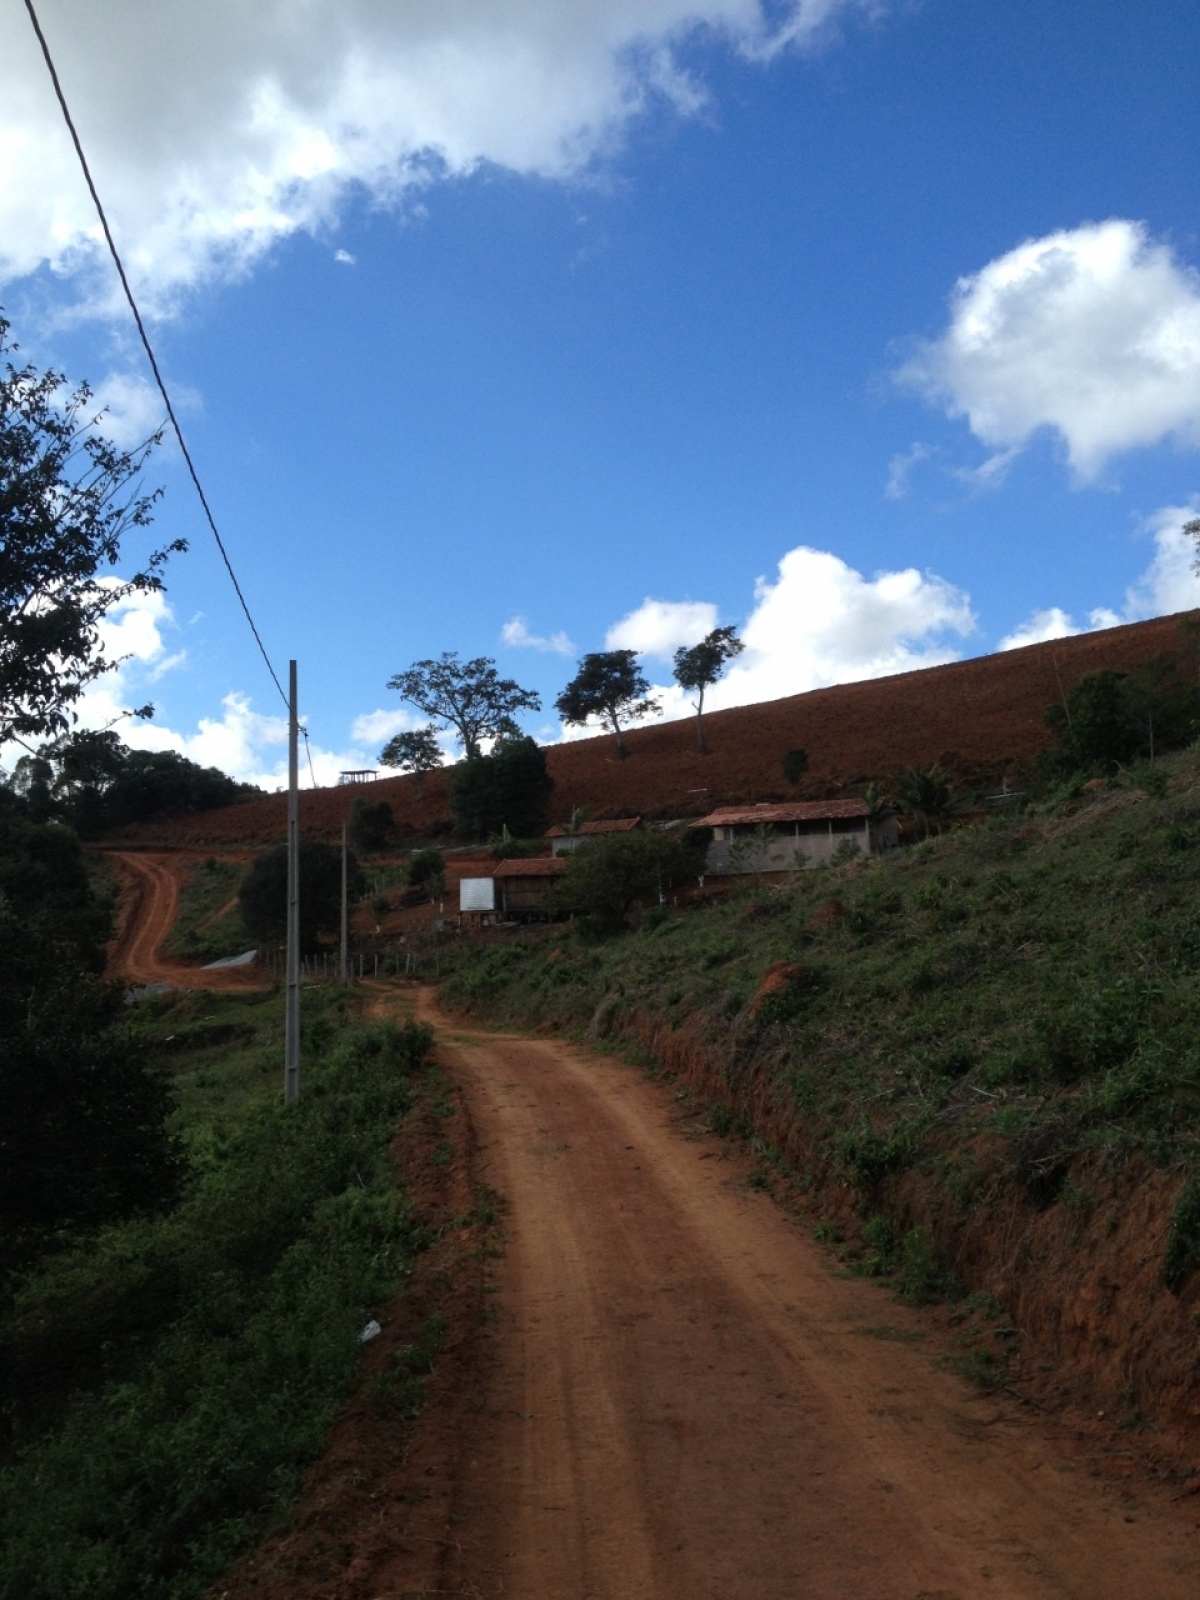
(780, 838)
(477, 895)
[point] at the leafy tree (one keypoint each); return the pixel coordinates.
(606, 877)
(370, 825)
(609, 685)
(83, 1115)
(699, 666)
(427, 870)
(468, 696)
(795, 765)
(1111, 718)
(416, 751)
(90, 780)
(508, 789)
(263, 894)
(68, 497)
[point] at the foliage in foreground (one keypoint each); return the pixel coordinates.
(1025, 987)
(168, 1383)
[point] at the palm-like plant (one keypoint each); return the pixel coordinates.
(925, 792)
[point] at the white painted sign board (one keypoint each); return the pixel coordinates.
(477, 894)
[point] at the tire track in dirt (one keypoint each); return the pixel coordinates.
(679, 1399)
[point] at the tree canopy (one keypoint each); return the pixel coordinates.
(416, 751)
(609, 685)
(1110, 718)
(68, 496)
(263, 896)
(92, 781)
(468, 696)
(507, 789)
(699, 666)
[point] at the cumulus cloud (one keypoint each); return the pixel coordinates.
(344, 258)
(516, 634)
(132, 409)
(816, 622)
(214, 131)
(1092, 332)
(900, 469)
(1169, 584)
(659, 627)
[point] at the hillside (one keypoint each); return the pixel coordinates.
(981, 719)
(975, 1059)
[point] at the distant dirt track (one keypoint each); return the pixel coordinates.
(149, 906)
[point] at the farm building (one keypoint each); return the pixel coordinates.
(778, 838)
(522, 886)
(564, 840)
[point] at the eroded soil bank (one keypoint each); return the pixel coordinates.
(1099, 1329)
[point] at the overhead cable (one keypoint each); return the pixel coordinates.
(137, 317)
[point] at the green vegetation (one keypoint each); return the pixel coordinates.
(167, 1378)
(1009, 1003)
(508, 789)
(608, 875)
(263, 896)
(209, 925)
(93, 783)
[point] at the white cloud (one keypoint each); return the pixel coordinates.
(515, 634)
(132, 409)
(1093, 332)
(344, 258)
(900, 469)
(659, 627)
(215, 130)
(819, 622)
(1169, 584)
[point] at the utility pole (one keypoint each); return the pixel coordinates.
(345, 970)
(291, 1025)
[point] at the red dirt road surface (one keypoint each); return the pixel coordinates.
(149, 906)
(674, 1398)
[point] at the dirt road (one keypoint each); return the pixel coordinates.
(149, 906)
(681, 1401)
(675, 1397)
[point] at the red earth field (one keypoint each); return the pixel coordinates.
(981, 719)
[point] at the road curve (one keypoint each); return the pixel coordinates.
(149, 905)
(680, 1400)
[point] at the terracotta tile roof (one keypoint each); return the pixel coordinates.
(536, 867)
(795, 811)
(587, 829)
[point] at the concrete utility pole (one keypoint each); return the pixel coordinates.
(345, 970)
(291, 1025)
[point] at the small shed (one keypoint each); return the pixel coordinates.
(522, 887)
(563, 840)
(779, 838)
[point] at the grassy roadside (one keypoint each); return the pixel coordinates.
(168, 1382)
(993, 1030)
(204, 929)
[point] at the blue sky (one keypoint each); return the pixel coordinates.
(524, 328)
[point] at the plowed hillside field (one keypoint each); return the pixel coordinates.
(981, 719)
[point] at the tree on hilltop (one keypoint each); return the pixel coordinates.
(416, 751)
(609, 685)
(468, 696)
(699, 666)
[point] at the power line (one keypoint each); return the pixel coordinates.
(137, 317)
